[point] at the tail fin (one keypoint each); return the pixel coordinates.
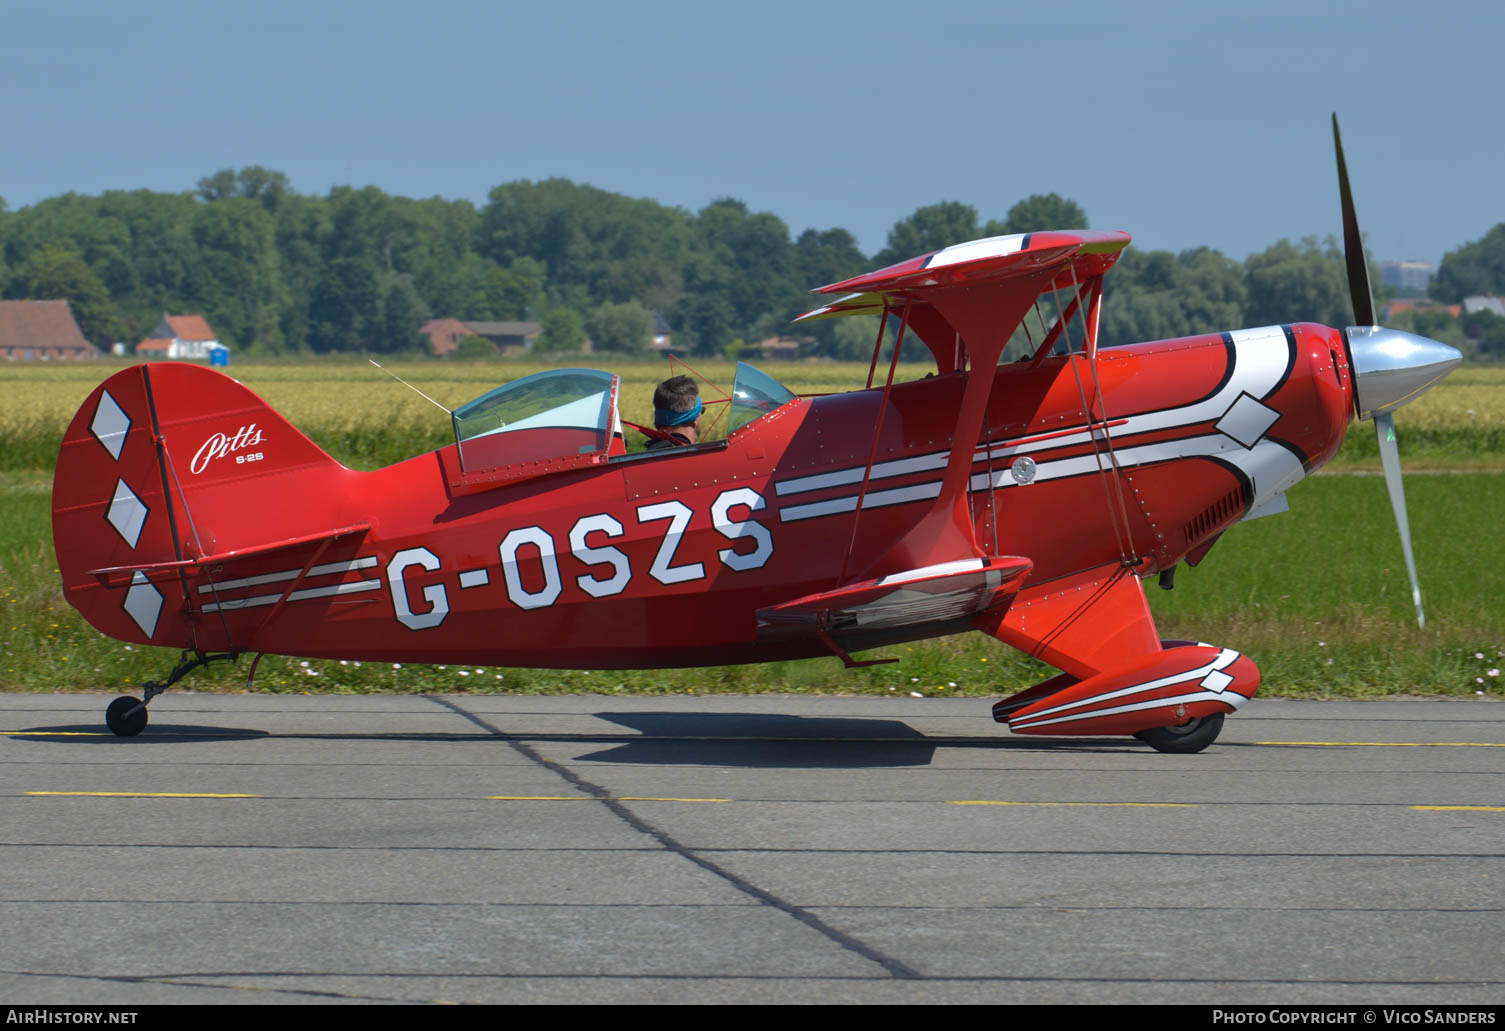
(163, 465)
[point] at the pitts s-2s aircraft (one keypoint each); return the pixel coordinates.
(1026, 499)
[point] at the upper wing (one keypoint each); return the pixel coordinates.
(1001, 276)
(993, 259)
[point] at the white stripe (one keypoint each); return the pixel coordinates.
(940, 569)
(881, 470)
(1270, 467)
(879, 499)
(818, 508)
(356, 587)
(1233, 699)
(973, 250)
(288, 574)
(1224, 659)
(1260, 358)
(901, 495)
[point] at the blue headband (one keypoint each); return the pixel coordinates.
(664, 417)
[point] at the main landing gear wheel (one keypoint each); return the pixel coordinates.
(126, 716)
(1187, 738)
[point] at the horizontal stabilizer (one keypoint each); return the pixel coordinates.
(116, 575)
(915, 597)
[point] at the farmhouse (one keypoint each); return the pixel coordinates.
(41, 331)
(180, 336)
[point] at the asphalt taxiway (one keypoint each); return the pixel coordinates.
(743, 849)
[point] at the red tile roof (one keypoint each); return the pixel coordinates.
(39, 324)
(190, 327)
(152, 346)
(444, 334)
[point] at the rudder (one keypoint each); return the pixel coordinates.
(158, 468)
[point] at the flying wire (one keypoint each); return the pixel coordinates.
(410, 386)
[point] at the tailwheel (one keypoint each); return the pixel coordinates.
(1188, 737)
(126, 716)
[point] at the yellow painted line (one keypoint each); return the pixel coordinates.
(1091, 805)
(1388, 744)
(650, 798)
(539, 798)
(589, 798)
(135, 794)
(56, 733)
(1461, 808)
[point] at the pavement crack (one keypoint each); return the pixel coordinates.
(893, 966)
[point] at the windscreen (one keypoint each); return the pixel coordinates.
(555, 414)
(754, 395)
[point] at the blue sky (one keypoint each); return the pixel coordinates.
(1182, 123)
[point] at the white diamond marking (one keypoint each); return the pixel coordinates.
(110, 425)
(1217, 681)
(127, 514)
(1247, 420)
(143, 603)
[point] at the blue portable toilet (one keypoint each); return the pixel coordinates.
(219, 355)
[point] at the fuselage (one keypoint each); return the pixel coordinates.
(662, 559)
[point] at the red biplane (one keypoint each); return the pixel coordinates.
(1025, 498)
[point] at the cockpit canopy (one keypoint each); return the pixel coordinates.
(754, 395)
(568, 418)
(558, 414)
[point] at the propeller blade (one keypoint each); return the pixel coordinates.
(1384, 426)
(1353, 244)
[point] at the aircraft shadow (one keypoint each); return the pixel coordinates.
(823, 742)
(158, 734)
(745, 740)
(764, 740)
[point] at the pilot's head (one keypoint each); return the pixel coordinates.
(676, 406)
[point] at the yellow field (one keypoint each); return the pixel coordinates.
(341, 405)
(362, 416)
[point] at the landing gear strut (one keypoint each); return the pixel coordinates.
(126, 716)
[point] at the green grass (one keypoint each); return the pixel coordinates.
(1318, 597)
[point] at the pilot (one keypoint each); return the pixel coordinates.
(676, 412)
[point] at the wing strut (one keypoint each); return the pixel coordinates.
(1112, 475)
(872, 454)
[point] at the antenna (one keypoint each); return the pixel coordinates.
(410, 386)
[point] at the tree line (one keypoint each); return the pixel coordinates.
(279, 272)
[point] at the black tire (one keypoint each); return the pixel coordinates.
(120, 718)
(1185, 739)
